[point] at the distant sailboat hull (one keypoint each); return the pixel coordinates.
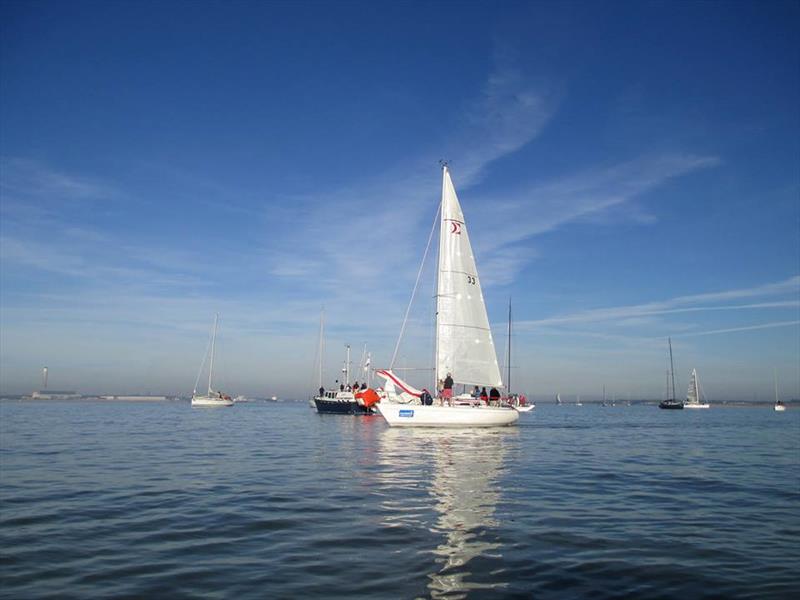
(700, 405)
(417, 415)
(340, 407)
(671, 405)
(211, 401)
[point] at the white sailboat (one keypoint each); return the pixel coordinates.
(211, 398)
(778, 406)
(693, 399)
(464, 346)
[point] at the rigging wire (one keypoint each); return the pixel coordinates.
(414, 291)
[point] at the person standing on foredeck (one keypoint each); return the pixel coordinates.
(447, 390)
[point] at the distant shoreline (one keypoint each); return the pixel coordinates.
(160, 398)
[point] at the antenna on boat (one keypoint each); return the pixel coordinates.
(444, 163)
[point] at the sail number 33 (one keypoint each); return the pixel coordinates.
(472, 279)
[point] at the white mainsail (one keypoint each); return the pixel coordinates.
(693, 395)
(464, 345)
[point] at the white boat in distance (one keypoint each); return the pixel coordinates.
(464, 346)
(778, 406)
(211, 398)
(693, 395)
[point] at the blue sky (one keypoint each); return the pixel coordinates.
(628, 171)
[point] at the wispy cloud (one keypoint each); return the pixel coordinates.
(375, 228)
(27, 178)
(509, 114)
(737, 329)
(543, 207)
(680, 304)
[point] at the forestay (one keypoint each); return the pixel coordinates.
(464, 345)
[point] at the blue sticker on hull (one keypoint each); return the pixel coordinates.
(404, 412)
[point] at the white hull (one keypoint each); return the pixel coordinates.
(526, 408)
(696, 405)
(417, 415)
(779, 408)
(206, 401)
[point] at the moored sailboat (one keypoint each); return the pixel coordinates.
(671, 402)
(464, 350)
(348, 399)
(211, 398)
(778, 406)
(693, 396)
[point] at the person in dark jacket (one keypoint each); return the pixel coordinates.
(321, 391)
(494, 396)
(425, 398)
(484, 396)
(447, 390)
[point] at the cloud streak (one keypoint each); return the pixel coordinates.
(738, 329)
(679, 305)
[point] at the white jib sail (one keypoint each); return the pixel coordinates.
(693, 395)
(464, 346)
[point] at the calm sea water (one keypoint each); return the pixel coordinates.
(273, 500)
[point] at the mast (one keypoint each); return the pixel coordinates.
(775, 380)
(508, 366)
(213, 343)
(321, 348)
(347, 366)
(438, 270)
(667, 396)
(671, 369)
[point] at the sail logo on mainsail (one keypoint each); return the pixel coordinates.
(455, 226)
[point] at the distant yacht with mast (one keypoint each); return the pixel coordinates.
(349, 399)
(671, 403)
(778, 406)
(46, 394)
(694, 395)
(211, 398)
(518, 401)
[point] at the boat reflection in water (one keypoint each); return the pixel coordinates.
(461, 469)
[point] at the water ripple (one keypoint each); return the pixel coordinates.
(135, 500)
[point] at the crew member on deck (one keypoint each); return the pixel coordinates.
(484, 396)
(494, 396)
(447, 391)
(321, 391)
(425, 398)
